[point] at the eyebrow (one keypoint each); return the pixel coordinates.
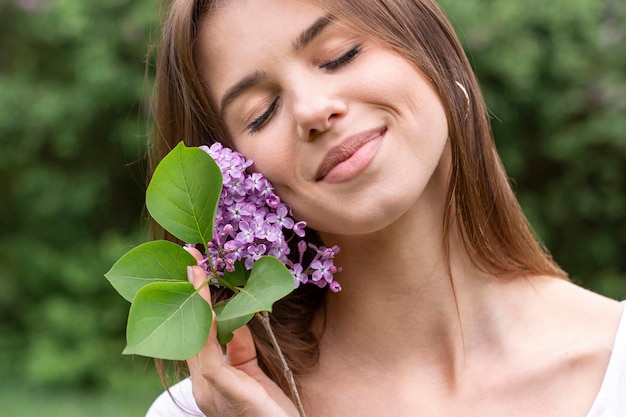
(238, 89)
(307, 36)
(249, 81)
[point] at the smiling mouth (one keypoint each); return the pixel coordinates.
(346, 150)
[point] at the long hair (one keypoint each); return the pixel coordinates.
(481, 204)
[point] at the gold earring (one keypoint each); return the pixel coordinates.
(467, 99)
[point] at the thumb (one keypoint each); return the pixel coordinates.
(241, 350)
(241, 354)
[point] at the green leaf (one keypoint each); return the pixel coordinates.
(225, 328)
(269, 281)
(238, 277)
(168, 320)
(183, 194)
(147, 263)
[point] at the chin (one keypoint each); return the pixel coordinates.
(358, 224)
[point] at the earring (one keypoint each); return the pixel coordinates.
(467, 99)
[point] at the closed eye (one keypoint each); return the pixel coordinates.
(260, 121)
(344, 59)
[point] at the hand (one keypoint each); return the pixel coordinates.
(235, 385)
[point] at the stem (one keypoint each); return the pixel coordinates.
(213, 274)
(208, 258)
(264, 318)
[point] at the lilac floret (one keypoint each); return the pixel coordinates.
(252, 222)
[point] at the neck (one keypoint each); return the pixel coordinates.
(403, 294)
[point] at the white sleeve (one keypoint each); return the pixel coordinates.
(178, 402)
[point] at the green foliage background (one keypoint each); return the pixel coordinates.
(74, 100)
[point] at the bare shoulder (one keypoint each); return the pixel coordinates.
(584, 315)
(587, 303)
(579, 331)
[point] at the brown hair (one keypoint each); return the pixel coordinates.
(482, 205)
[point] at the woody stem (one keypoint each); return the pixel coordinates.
(264, 318)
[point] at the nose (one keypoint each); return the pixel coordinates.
(315, 110)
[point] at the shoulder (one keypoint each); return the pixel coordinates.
(589, 315)
(584, 322)
(578, 339)
(177, 402)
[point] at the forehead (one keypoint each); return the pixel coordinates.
(240, 35)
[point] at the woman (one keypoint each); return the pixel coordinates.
(367, 119)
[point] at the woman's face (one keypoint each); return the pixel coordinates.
(349, 133)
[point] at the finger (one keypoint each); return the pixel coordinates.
(211, 354)
(197, 277)
(209, 361)
(210, 358)
(194, 252)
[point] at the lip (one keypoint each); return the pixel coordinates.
(332, 170)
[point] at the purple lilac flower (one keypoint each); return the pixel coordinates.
(252, 221)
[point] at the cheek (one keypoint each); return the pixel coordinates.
(274, 154)
(279, 167)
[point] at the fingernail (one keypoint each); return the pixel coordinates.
(190, 273)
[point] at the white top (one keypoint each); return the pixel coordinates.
(610, 402)
(164, 405)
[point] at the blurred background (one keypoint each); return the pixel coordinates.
(74, 109)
